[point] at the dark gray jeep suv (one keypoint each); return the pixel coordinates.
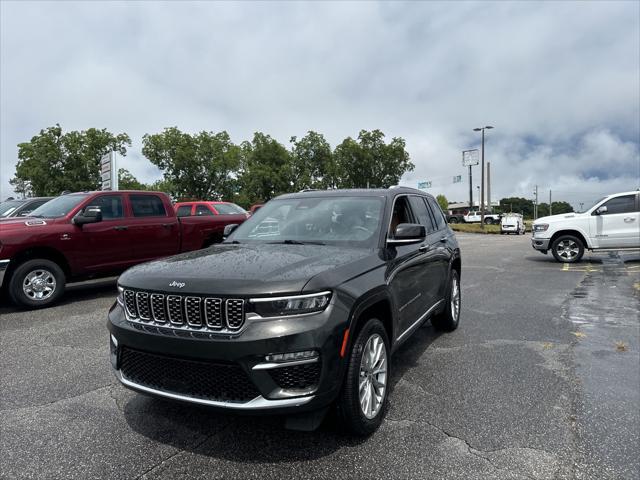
(300, 308)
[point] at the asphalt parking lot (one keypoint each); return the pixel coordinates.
(541, 380)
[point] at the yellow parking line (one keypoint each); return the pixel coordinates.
(565, 267)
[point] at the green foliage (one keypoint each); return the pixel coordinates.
(126, 181)
(561, 207)
(369, 162)
(517, 205)
(54, 161)
(201, 166)
(312, 162)
(443, 202)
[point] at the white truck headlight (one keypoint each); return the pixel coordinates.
(540, 227)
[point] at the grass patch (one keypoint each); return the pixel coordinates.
(474, 228)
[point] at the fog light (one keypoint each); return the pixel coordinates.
(291, 356)
(113, 352)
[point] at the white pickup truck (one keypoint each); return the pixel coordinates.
(475, 217)
(612, 223)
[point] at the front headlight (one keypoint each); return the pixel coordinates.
(540, 227)
(293, 305)
(120, 297)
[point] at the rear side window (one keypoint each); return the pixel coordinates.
(624, 204)
(437, 213)
(183, 211)
(203, 210)
(420, 210)
(110, 206)
(228, 209)
(147, 206)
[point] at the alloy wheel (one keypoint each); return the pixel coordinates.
(39, 284)
(373, 376)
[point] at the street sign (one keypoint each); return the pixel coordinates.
(109, 172)
(470, 157)
(457, 179)
(423, 185)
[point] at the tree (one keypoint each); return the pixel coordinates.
(54, 161)
(369, 162)
(266, 170)
(312, 162)
(517, 205)
(443, 202)
(202, 166)
(561, 207)
(126, 181)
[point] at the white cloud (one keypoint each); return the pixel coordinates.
(560, 81)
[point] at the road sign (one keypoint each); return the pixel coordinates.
(470, 157)
(457, 179)
(423, 185)
(108, 171)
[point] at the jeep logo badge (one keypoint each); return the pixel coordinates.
(177, 284)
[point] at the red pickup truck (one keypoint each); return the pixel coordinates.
(94, 234)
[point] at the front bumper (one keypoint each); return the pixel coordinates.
(4, 266)
(540, 244)
(322, 333)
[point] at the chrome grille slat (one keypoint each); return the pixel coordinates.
(185, 312)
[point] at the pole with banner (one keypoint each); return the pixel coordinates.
(469, 159)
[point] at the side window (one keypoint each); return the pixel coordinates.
(437, 213)
(110, 206)
(624, 204)
(420, 210)
(401, 214)
(203, 210)
(147, 206)
(183, 211)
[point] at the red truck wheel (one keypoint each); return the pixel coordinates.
(36, 283)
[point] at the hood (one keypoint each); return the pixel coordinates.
(244, 269)
(16, 223)
(558, 218)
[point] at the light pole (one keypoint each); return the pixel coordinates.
(482, 129)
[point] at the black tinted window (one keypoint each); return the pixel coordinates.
(437, 213)
(110, 206)
(184, 211)
(401, 214)
(420, 210)
(203, 210)
(624, 204)
(147, 206)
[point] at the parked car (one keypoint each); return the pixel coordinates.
(455, 218)
(225, 213)
(612, 223)
(296, 320)
(21, 207)
(475, 217)
(85, 235)
(512, 223)
(255, 208)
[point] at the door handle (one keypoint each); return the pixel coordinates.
(629, 219)
(423, 248)
(443, 239)
(167, 225)
(121, 227)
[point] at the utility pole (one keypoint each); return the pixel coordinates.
(470, 190)
(489, 187)
(550, 212)
(535, 205)
(482, 129)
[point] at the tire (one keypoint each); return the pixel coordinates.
(449, 318)
(453, 220)
(49, 286)
(349, 404)
(567, 249)
(488, 221)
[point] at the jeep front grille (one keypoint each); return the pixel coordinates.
(185, 311)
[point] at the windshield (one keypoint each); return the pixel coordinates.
(7, 208)
(228, 209)
(58, 207)
(353, 221)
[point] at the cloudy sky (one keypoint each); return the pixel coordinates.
(560, 81)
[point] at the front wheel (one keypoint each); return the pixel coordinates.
(567, 249)
(453, 220)
(362, 402)
(449, 319)
(37, 283)
(488, 221)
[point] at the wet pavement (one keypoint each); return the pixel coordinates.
(541, 380)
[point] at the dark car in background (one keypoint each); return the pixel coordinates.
(21, 207)
(299, 309)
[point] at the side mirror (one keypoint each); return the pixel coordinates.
(90, 214)
(407, 233)
(228, 229)
(601, 210)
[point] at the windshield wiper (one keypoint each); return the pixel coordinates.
(295, 242)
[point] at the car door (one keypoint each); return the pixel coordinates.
(619, 226)
(408, 271)
(105, 245)
(156, 229)
(439, 244)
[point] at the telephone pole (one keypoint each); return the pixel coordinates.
(535, 204)
(482, 129)
(550, 212)
(489, 187)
